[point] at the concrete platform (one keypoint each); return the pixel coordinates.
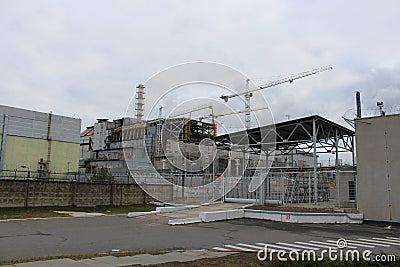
(227, 211)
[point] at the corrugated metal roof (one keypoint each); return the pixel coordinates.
(29, 123)
(88, 131)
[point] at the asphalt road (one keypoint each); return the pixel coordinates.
(65, 236)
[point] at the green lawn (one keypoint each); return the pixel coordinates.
(47, 212)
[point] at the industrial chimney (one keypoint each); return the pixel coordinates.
(358, 104)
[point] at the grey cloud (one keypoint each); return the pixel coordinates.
(87, 57)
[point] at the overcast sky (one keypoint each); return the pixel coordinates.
(86, 57)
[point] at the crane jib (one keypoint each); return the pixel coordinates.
(289, 79)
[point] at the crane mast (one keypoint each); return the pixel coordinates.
(248, 93)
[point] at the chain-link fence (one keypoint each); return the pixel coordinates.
(324, 188)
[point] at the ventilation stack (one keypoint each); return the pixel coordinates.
(139, 101)
(358, 104)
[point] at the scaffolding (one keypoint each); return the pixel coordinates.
(309, 135)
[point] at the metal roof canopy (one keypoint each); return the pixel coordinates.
(297, 135)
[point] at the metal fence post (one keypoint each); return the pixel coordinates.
(283, 188)
(338, 188)
(309, 189)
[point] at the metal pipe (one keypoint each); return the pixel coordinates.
(244, 172)
(355, 172)
(3, 141)
(309, 189)
(358, 104)
(314, 137)
(336, 168)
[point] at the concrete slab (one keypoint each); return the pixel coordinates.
(33, 264)
(124, 261)
(80, 214)
(141, 213)
(184, 221)
(107, 259)
(93, 263)
(176, 208)
(221, 215)
(145, 259)
(58, 262)
(176, 256)
(304, 217)
(194, 212)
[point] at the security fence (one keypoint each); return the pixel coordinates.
(330, 188)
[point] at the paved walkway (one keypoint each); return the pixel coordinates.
(140, 259)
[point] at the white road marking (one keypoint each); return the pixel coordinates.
(297, 246)
(251, 246)
(240, 248)
(329, 244)
(314, 245)
(349, 242)
(278, 247)
(384, 239)
(221, 249)
(367, 243)
(395, 238)
(379, 242)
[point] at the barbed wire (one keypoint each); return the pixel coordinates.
(351, 114)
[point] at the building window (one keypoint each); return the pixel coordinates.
(352, 191)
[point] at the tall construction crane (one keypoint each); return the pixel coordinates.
(249, 92)
(190, 111)
(226, 114)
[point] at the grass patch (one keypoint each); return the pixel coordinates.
(48, 212)
(83, 256)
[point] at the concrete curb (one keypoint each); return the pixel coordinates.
(211, 216)
(185, 221)
(305, 217)
(176, 208)
(161, 210)
(141, 213)
(278, 216)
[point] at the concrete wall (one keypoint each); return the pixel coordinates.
(27, 141)
(29, 123)
(343, 177)
(28, 193)
(378, 168)
(28, 151)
